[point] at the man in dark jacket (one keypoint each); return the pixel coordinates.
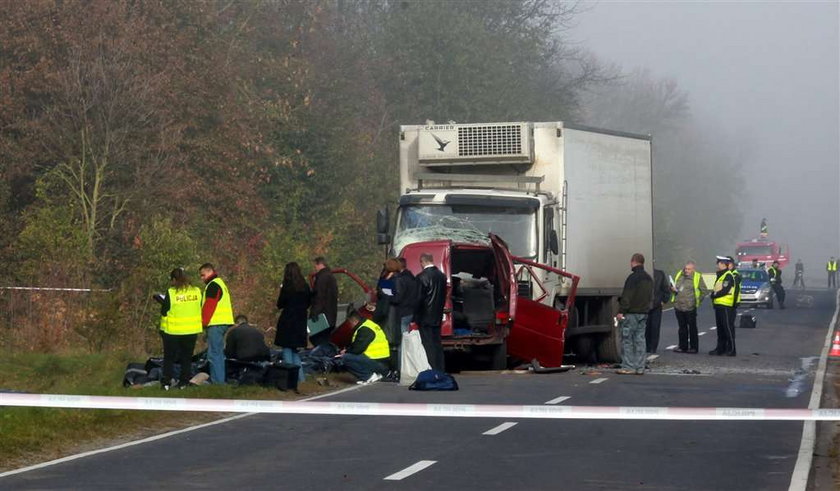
(661, 294)
(775, 275)
(432, 284)
(324, 300)
(404, 300)
(634, 306)
(246, 343)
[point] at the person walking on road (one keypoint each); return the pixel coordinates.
(293, 302)
(634, 306)
(432, 284)
(831, 268)
(723, 298)
(217, 318)
(799, 274)
(688, 292)
(180, 323)
(661, 294)
(324, 300)
(776, 283)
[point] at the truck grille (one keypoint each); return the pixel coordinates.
(490, 140)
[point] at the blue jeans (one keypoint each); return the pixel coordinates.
(633, 355)
(216, 352)
(363, 367)
(291, 357)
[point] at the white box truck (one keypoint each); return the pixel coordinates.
(568, 196)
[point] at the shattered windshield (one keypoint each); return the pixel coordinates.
(470, 224)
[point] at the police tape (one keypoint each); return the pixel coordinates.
(416, 410)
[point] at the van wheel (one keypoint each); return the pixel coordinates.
(609, 346)
(498, 357)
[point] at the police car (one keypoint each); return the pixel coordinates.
(755, 288)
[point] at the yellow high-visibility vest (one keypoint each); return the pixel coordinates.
(831, 266)
(727, 300)
(223, 315)
(378, 348)
(184, 316)
(698, 296)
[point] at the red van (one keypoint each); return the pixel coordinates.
(484, 313)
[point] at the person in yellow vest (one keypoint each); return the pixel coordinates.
(180, 324)
(688, 291)
(723, 298)
(775, 275)
(368, 354)
(831, 268)
(217, 318)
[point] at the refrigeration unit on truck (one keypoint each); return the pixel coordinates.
(570, 197)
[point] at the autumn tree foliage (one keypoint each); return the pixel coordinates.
(136, 137)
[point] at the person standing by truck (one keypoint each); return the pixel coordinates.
(661, 294)
(831, 268)
(432, 284)
(634, 306)
(776, 282)
(723, 298)
(689, 290)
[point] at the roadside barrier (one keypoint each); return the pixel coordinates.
(421, 410)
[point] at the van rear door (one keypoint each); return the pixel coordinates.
(537, 330)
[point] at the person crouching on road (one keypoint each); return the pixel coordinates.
(634, 305)
(776, 282)
(217, 318)
(367, 356)
(688, 292)
(246, 343)
(723, 298)
(180, 324)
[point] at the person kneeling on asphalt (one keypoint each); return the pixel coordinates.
(367, 356)
(246, 343)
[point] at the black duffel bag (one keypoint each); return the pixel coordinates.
(282, 377)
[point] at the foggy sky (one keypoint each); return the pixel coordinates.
(768, 74)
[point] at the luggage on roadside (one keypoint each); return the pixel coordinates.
(748, 321)
(434, 380)
(413, 359)
(282, 377)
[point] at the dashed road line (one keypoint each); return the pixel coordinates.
(502, 427)
(558, 400)
(599, 380)
(702, 333)
(652, 357)
(412, 469)
(671, 347)
(713, 328)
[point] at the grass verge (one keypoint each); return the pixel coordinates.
(32, 435)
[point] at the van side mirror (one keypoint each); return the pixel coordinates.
(553, 243)
(382, 226)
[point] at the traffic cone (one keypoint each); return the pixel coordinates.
(835, 345)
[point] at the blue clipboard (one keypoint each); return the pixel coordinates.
(318, 325)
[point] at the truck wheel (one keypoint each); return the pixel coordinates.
(585, 348)
(609, 346)
(498, 357)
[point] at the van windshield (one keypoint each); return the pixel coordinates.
(469, 224)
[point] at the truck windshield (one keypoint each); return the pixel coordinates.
(755, 251)
(468, 223)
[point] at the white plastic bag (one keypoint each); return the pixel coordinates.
(413, 359)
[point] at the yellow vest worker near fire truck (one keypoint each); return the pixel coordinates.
(723, 298)
(180, 325)
(831, 268)
(775, 275)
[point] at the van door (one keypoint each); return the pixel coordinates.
(537, 330)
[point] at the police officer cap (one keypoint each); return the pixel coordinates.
(724, 259)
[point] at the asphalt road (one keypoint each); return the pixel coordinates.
(775, 368)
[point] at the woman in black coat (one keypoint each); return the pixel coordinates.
(291, 327)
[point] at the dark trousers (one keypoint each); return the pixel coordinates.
(799, 280)
(779, 290)
(432, 344)
(181, 348)
(654, 322)
(725, 329)
(832, 279)
(687, 333)
(363, 367)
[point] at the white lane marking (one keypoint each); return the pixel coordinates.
(669, 308)
(156, 437)
(598, 380)
(558, 400)
(652, 357)
(412, 469)
(502, 427)
(799, 477)
(702, 333)
(713, 328)
(671, 347)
